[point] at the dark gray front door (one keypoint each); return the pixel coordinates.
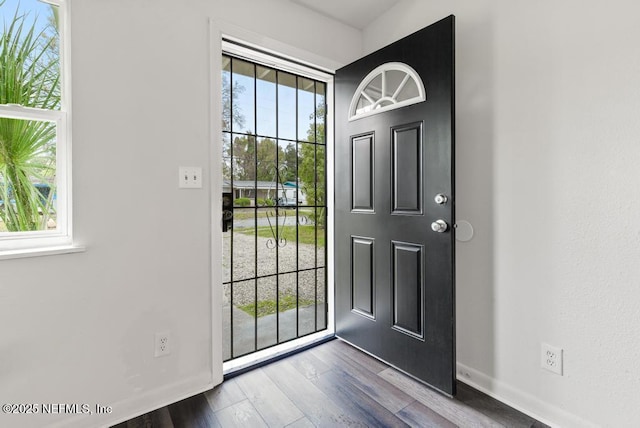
(394, 181)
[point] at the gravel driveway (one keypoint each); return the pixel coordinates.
(244, 252)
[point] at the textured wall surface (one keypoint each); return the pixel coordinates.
(548, 95)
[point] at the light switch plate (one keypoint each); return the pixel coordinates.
(190, 177)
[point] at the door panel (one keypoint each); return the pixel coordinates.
(362, 175)
(394, 274)
(406, 178)
(362, 276)
(408, 288)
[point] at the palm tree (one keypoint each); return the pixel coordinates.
(29, 77)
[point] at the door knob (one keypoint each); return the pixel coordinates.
(439, 226)
(441, 199)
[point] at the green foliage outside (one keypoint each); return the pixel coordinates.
(311, 167)
(268, 307)
(30, 77)
(265, 202)
(257, 158)
(242, 202)
(269, 153)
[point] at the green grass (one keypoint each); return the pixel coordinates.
(247, 214)
(306, 234)
(268, 307)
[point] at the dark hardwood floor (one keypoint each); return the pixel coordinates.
(331, 385)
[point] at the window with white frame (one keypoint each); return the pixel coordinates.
(34, 140)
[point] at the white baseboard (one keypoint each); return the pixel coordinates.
(545, 412)
(135, 406)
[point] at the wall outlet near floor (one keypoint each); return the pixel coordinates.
(551, 358)
(162, 344)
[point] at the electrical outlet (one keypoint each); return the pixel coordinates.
(190, 177)
(162, 344)
(551, 358)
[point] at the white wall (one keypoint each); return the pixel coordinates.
(79, 328)
(548, 155)
(548, 95)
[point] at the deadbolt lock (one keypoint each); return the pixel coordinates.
(441, 199)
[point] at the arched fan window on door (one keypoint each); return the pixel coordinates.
(389, 86)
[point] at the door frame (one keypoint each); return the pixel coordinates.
(276, 54)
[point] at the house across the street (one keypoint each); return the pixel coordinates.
(268, 190)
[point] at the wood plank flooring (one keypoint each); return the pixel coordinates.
(331, 385)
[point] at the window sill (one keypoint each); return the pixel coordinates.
(38, 252)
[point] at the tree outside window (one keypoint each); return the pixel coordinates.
(30, 104)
